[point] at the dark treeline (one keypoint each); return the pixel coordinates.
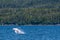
(29, 12)
(25, 16)
(29, 3)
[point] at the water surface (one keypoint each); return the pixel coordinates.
(31, 33)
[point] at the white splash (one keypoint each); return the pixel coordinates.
(18, 31)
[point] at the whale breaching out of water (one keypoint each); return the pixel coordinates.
(18, 31)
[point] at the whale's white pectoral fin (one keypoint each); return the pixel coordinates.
(15, 32)
(21, 32)
(18, 31)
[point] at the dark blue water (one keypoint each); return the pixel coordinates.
(32, 33)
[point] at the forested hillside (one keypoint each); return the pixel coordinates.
(29, 12)
(29, 3)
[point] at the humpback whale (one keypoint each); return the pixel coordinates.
(18, 31)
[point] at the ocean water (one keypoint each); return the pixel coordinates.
(46, 32)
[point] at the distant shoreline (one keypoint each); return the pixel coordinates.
(29, 25)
